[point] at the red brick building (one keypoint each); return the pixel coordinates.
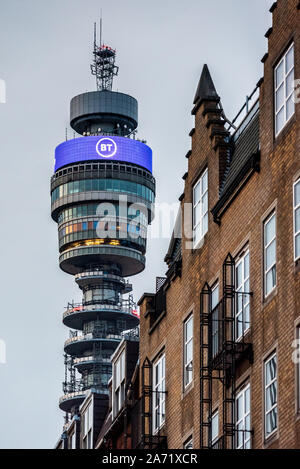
(217, 367)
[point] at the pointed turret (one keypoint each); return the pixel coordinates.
(206, 89)
(208, 112)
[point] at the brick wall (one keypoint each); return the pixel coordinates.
(272, 321)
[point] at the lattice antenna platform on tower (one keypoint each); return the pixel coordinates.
(103, 66)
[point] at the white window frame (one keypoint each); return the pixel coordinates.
(215, 417)
(241, 422)
(158, 392)
(244, 291)
(189, 443)
(188, 372)
(215, 321)
(266, 387)
(87, 418)
(266, 271)
(295, 208)
(287, 96)
(118, 383)
(72, 441)
(200, 209)
(298, 369)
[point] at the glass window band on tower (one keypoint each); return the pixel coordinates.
(91, 209)
(115, 185)
(112, 232)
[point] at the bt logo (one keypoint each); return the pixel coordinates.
(106, 147)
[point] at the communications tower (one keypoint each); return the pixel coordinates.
(102, 195)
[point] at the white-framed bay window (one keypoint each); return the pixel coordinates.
(296, 198)
(188, 326)
(270, 385)
(159, 393)
(200, 208)
(284, 89)
(243, 418)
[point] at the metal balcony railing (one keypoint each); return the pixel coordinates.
(74, 308)
(251, 114)
(98, 358)
(102, 274)
(92, 335)
(131, 334)
(116, 132)
(80, 386)
(223, 331)
(245, 114)
(75, 386)
(72, 395)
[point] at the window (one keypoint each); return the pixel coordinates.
(87, 427)
(188, 444)
(298, 367)
(242, 287)
(297, 219)
(284, 90)
(270, 254)
(119, 384)
(200, 208)
(72, 441)
(243, 421)
(270, 378)
(188, 351)
(215, 319)
(159, 396)
(214, 429)
(116, 185)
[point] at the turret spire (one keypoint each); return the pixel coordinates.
(206, 88)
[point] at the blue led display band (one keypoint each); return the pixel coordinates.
(103, 148)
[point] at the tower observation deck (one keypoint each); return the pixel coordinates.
(102, 196)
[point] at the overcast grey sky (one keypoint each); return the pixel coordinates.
(45, 52)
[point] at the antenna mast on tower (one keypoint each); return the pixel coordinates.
(103, 66)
